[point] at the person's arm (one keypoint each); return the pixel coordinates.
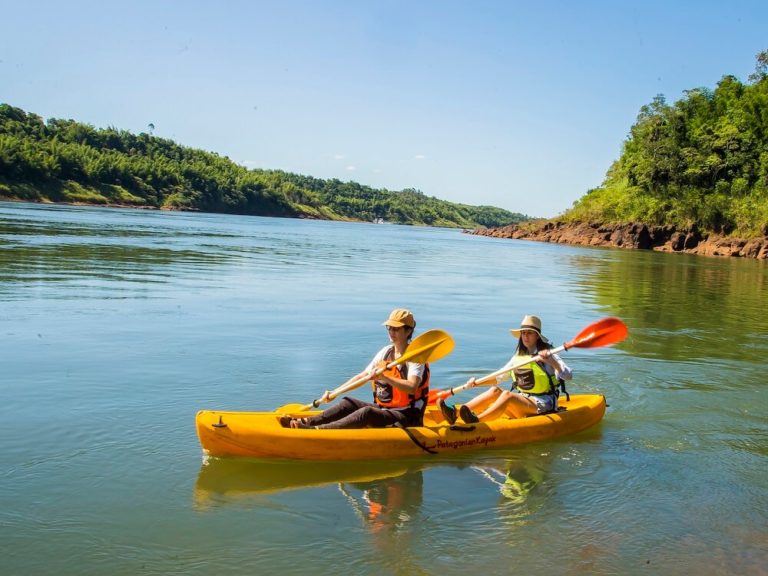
(555, 362)
(507, 374)
(359, 376)
(369, 370)
(472, 382)
(563, 371)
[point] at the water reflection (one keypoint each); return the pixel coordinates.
(677, 306)
(521, 486)
(386, 504)
(76, 251)
(386, 497)
(223, 481)
(92, 246)
(246, 312)
(390, 511)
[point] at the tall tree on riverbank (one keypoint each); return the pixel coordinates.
(702, 162)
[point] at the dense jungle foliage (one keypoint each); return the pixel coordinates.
(67, 161)
(701, 162)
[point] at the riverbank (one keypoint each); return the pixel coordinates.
(635, 236)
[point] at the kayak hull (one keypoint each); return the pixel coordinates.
(260, 435)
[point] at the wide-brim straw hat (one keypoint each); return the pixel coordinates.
(529, 323)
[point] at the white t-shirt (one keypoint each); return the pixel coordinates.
(412, 368)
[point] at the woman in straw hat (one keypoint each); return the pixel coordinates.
(400, 394)
(534, 388)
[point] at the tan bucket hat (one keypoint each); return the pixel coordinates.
(529, 323)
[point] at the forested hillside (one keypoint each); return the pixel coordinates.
(700, 162)
(67, 161)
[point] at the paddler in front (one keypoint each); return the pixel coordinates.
(534, 387)
(400, 394)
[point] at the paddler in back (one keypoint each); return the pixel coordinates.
(534, 386)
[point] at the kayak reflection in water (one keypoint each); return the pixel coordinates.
(386, 505)
(521, 486)
(400, 394)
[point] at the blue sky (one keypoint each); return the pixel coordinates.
(521, 105)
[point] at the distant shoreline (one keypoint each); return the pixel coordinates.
(636, 236)
(48, 202)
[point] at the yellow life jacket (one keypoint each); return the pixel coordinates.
(532, 378)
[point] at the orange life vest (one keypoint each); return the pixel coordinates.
(387, 396)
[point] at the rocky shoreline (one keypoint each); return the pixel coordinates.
(637, 236)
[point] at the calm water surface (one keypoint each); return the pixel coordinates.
(116, 326)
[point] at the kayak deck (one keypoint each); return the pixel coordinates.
(260, 435)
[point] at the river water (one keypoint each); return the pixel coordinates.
(116, 326)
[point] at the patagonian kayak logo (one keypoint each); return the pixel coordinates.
(474, 442)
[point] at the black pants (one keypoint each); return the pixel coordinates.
(354, 413)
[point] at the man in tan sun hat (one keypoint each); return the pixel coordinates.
(535, 385)
(400, 394)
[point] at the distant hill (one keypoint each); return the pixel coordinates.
(67, 161)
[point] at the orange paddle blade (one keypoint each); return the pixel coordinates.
(604, 332)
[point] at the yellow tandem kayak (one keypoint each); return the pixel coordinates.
(260, 435)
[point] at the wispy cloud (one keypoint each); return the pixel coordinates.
(338, 157)
(350, 168)
(420, 157)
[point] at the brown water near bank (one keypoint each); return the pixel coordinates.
(634, 235)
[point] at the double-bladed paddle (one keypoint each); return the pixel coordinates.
(604, 332)
(428, 347)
